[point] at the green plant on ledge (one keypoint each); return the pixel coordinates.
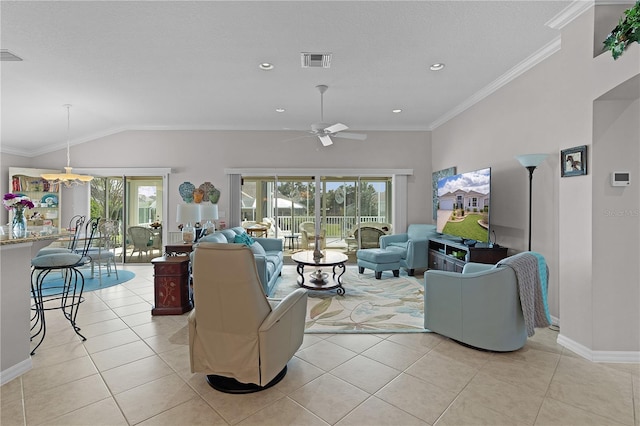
(626, 32)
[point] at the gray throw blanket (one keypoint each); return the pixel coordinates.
(532, 286)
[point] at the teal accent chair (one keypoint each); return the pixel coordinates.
(479, 307)
(413, 246)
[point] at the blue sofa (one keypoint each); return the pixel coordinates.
(413, 246)
(268, 254)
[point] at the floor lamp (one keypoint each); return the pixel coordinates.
(530, 162)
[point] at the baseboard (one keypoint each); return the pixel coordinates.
(15, 370)
(599, 356)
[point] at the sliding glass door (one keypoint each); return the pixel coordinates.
(133, 201)
(284, 203)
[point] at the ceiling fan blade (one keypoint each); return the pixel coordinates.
(338, 127)
(346, 135)
(326, 140)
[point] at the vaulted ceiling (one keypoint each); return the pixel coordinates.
(195, 64)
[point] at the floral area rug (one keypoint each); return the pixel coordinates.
(388, 305)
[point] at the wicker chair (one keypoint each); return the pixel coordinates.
(308, 233)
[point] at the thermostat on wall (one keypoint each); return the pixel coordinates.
(620, 179)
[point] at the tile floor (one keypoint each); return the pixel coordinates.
(134, 370)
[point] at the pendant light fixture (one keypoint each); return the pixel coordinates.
(68, 178)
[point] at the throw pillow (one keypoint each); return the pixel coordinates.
(243, 239)
(257, 249)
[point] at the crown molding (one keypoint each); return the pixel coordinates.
(569, 13)
(537, 57)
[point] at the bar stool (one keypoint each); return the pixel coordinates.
(68, 295)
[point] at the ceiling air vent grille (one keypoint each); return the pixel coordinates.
(315, 60)
(5, 55)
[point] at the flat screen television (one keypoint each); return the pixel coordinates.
(463, 205)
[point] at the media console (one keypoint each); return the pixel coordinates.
(451, 255)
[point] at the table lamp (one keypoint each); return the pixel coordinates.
(188, 215)
(208, 212)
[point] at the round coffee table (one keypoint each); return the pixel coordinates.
(319, 280)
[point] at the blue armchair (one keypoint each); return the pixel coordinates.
(412, 246)
(479, 307)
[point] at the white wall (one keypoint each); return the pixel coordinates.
(199, 156)
(545, 110)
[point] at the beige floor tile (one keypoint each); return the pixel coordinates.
(137, 319)
(418, 398)
(470, 356)
(178, 360)
(110, 340)
(133, 309)
(121, 355)
(444, 372)
(125, 301)
(556, 413)
(112, 293)
(58, 401)
(469, 413)
(234, 408)
(535, 357)
(393, 354)
(329, 397)
(355, 342)
(136, 373)
(309, 340)
(97, 329)
(12, 412)
(299, 373)
(520, 374)
(423, 342)
(594, 388)
(152, 398)
(546, 340)
(88, 316)
(164, 343)
(283, 412)
(325, 355)
(101, 413)
(55, 355)
(12, 390)
(52, 376)
(193, 412)
(520, 403)
(365, 373)
(636, 398)
(375, 411)
(159, 325)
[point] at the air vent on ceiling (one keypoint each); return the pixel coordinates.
(5, 55)
(315, 60)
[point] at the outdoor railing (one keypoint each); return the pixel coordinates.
(336, 226)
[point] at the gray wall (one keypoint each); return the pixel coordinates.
(545, 110)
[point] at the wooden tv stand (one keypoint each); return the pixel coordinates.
(451, 255)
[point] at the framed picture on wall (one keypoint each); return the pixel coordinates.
(573, 161)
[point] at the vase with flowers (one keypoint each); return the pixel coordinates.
(17, 204)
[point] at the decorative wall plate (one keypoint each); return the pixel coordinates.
(50, 199)
(206, 187)
(186, 191)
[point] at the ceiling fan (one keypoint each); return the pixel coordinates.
(324, 131)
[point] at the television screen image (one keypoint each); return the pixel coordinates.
(463, 205)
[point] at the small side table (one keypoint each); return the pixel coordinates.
(177, 249)
(171, 285)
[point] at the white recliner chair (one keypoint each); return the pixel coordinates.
(237, 336)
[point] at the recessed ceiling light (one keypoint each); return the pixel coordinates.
(396, 111)
(266, 66)
(280, 110)
(436, 67)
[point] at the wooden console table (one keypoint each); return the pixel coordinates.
(171, 285)
(177, 249)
